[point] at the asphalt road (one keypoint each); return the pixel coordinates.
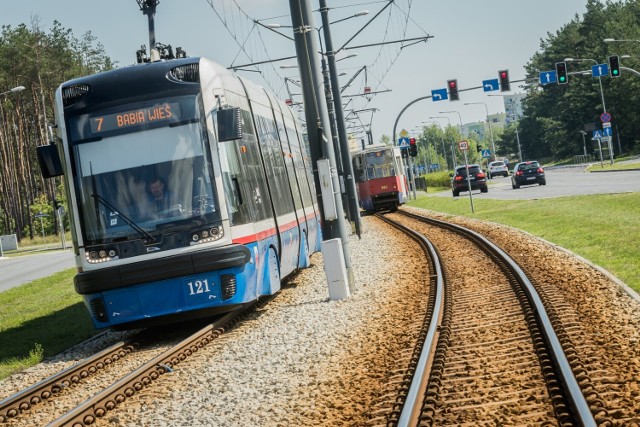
(16, 271)
(566, 181)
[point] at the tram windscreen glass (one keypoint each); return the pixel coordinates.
(380, 164)
(154, 170)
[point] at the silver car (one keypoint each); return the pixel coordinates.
(498, 168)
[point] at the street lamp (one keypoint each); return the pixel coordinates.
(604, 108)
(517, 119)
(493, 146)
(444, 152)
(14, 90)
(351, 55)
(610, 40)
(459, 116)
(584, 143)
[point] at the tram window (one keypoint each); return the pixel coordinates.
(229, 124)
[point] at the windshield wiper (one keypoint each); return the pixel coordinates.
(129, 221)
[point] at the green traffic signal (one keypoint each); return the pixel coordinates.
(561, 73)
(614, 66)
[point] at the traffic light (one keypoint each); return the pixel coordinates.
(453, 90)
(561, 73)
(404, 152)
(614, 66)
(479, 148)
(413, 148)
(505, 84)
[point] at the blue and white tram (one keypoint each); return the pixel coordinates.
(189, 189)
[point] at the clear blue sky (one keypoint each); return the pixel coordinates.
(471, 41)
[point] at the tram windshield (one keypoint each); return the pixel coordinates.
(142, 170)
(380, 164)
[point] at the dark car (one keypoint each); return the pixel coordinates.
(478, 180)
(527, 173)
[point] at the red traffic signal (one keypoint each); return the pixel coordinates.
(453, 90)
(505, 84)
(413, 148)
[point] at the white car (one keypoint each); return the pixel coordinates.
(498, 168)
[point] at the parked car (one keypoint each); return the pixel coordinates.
(498, 168)
(527, 173)
(477, 179)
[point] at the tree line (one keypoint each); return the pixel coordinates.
(40, 61)
(554, 116)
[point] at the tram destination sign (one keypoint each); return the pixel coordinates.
(164, 112)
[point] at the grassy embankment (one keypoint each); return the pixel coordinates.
(602, 228)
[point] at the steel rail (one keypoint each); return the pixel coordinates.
(570, 384)
(412, 405)
(24, 400)
(108, 399)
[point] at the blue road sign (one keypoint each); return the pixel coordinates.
(439, 94)
(600, 70)
(548, 77)
(403, 142)
(434, 166)
(597, 134)
(490, 85)
(606, 131)
(486, 154)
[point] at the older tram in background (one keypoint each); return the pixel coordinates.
(189, 188)
(380, 178)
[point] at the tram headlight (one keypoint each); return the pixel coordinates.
(207, 235)
(98, 255)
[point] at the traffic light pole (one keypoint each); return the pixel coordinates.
(318, 129)
(347, 168)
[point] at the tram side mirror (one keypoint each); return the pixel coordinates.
(229, 124)
(49, 161)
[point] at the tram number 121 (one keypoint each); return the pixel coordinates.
(198, 287)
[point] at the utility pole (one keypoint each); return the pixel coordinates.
(148, 7)
(347, 168)
(318, 128)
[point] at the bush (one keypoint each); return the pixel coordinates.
(438, 179)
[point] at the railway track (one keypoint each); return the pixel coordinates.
(110, 397)
(490, 353)
(345, 363)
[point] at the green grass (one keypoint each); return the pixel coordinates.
(613, 167)
(40, 319)
(602, 228)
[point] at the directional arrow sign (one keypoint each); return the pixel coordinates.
(548, 77)
(606, 131)
(439, 94)
(490, 85)
(600, 70)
